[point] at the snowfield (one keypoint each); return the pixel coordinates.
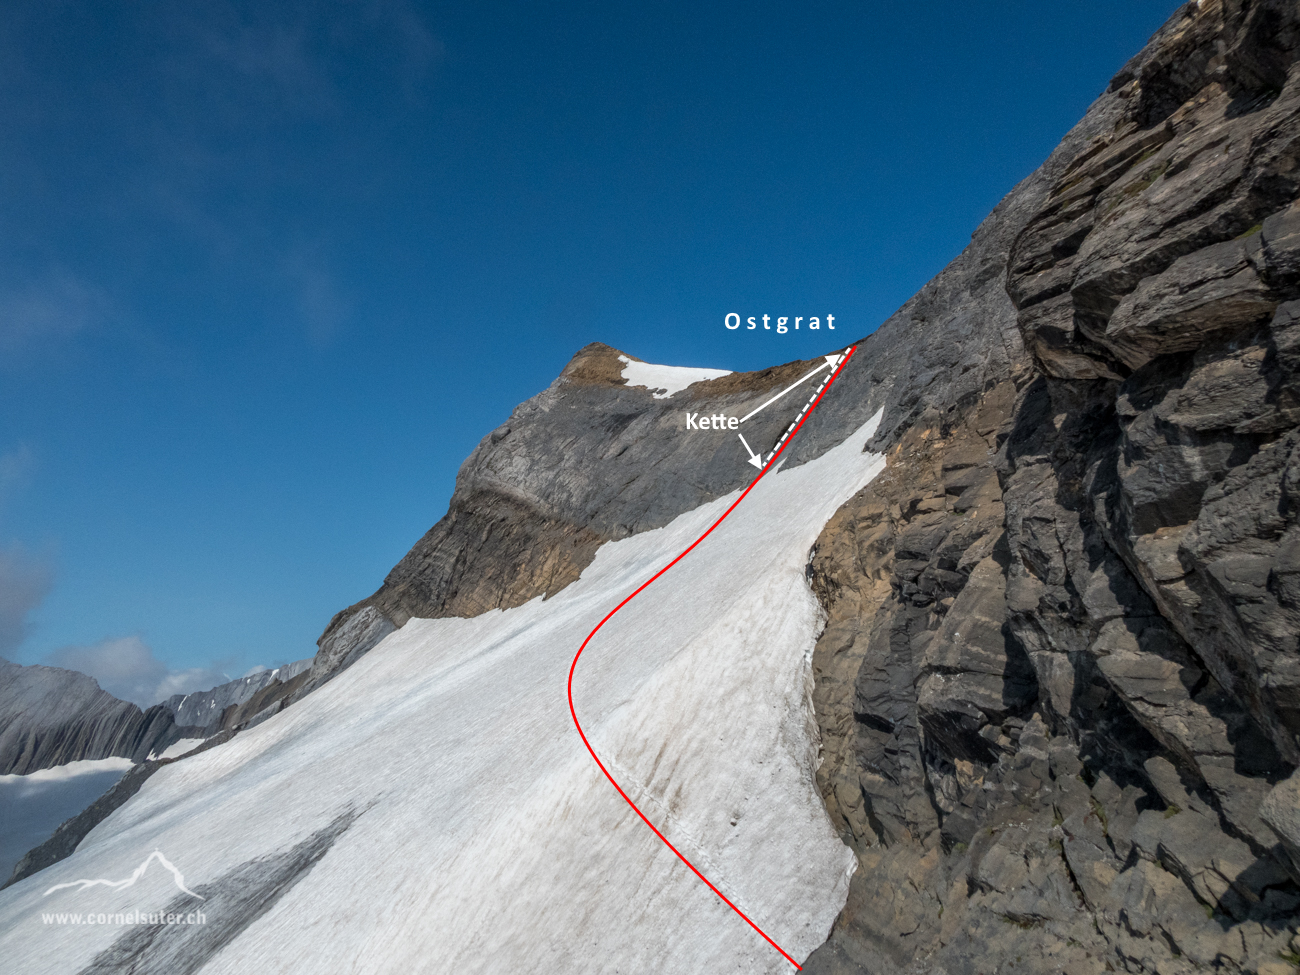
(666, 380)
(470, 830)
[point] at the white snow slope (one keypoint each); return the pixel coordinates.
(666, 380)
(487, 840)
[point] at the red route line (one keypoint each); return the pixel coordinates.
(644, 585)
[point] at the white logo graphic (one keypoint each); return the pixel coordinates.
(139, 872)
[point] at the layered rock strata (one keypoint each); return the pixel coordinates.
(1059, 686)
(588, 460)
(50, 716)
(70, 833)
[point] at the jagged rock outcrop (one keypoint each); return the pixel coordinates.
(1059, 689)
(236, 704)
(50, 716)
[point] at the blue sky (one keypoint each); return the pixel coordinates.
(268, 271)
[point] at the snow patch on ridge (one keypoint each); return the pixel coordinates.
(665, 380)
(489, 840)
(65, 773)
(178, 748)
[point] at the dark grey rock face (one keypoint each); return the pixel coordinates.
(1281, 810)
(207, 710)
(347, 639)
(1180, 274)
(50, 716)
(587, 460)
(1059, 686)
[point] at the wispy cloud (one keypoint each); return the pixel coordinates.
(253, 64)
(246, 87)
(24, 579)
(247, 65)
(419, 47)
(15, 469)
(127, 668)
(24, 583)
(321, 305)
(49, 308)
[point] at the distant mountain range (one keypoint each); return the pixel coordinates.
(50, 716)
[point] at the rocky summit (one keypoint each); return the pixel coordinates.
(1055, 702)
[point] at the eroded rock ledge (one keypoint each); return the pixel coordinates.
(587, 460)
(1059, 689)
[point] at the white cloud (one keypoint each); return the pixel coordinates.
(15, 468)
(322, 308)
(127, 668)
(55, 306)
(24, 582)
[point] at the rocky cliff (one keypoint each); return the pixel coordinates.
(1059, 690)
(588, 460)
(50, 716)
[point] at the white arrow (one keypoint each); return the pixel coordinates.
(831, 361)
(754, 458)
